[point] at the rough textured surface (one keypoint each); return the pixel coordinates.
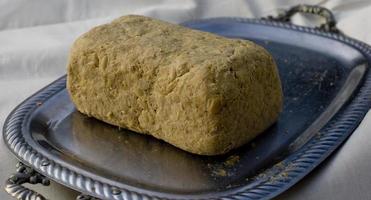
(203, 93)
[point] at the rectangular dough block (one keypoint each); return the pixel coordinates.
(203, 93)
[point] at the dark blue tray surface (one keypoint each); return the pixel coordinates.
(326, 91)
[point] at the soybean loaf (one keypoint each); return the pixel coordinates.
(203, 93)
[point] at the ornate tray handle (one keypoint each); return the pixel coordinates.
(85, 197)
(14, 187)
(25, 174)
(328, 26)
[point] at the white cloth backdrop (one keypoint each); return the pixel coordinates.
(35, 36)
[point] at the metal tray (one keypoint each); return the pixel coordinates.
(327, 92)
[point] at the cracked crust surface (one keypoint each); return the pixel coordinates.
(203, 93)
